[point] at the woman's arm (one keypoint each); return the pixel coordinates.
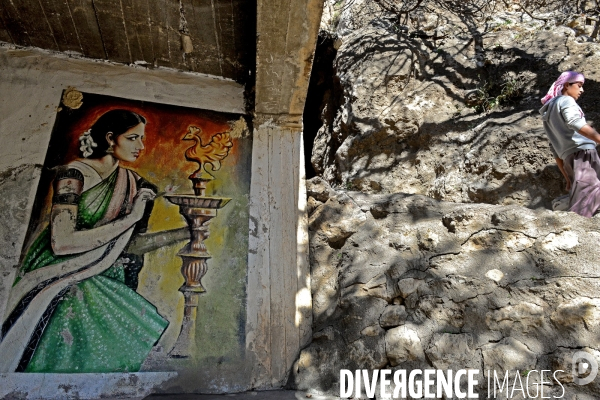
(561, 166)
(573, 116)
(146, 242)
(590, 133)
(571, 113)
(65, 239)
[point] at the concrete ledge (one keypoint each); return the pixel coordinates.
(253, 395)
(81, 386)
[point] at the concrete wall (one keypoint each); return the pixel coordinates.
(277, 306)
(279, 301)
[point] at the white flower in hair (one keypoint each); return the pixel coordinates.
(86, 143)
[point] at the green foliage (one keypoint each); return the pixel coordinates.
(493, 94)
(338, 7)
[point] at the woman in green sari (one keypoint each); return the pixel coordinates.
(72, 307)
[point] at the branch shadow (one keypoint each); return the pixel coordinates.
(416, 61)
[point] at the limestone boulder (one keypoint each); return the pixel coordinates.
(577, 313)
(392, 316)
(524, 317)
(508, 355)
(453, 351)
(422, 283)
(402, 345)
(317, 367)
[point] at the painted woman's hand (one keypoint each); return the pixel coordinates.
(139, 203)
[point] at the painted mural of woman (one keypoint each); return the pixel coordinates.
(73, 307)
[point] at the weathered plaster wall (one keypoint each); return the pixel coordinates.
(31, 87)
(278, 320)
(279, 303)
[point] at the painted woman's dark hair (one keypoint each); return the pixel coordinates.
(116, 121)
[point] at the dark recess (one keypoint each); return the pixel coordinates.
(320, 87)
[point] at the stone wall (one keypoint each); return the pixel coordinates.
(404, 281)
(432, 243)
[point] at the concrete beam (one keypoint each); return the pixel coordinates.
(279, 303)
(287, 33)
(279, 317)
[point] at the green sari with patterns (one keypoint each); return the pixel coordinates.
(99, 324)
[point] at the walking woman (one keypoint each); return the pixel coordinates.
(573, 142)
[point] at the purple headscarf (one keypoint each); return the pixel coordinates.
(557, 87)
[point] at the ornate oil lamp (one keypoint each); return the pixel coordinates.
(197, 209)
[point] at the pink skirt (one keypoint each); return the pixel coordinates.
(583, 168)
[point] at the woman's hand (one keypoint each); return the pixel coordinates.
(568, 185)
(139, 203)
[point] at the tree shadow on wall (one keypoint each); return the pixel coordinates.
(451, 293)
(418, 60)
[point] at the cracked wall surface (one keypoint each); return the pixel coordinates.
(404, 281)
(32, 85)
(36, 81)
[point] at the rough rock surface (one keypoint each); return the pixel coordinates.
(403, 113)
(405, 281)
(432, 245)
